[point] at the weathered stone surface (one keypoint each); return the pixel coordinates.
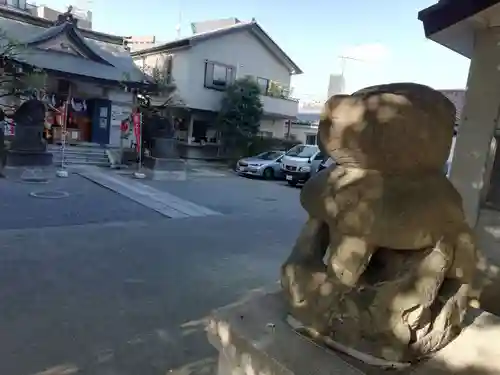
(28, 147)
(253, 337)
(164, 164)
(165, 148)
(396, 280)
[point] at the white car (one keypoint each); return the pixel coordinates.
(300, 162)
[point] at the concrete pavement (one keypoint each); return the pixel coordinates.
(86, 203)
(237, 195)
(164, 203)
(113, 288)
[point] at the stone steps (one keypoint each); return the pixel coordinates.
(80, 155)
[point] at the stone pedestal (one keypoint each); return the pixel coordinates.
(164, 164)
(28, 147)
(165, 168)
(23, 158)
(253, 337)
(165, 148)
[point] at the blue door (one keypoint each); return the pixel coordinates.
(101, 113)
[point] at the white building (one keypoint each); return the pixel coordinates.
(305, 128)
(84, 16)
(204, 64)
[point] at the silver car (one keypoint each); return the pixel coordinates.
(326, 163)
(266, 164)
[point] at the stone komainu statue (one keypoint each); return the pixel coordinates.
(29, 120)
(385, 262)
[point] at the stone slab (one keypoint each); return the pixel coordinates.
(253, 338)
(164, 164)
(165, 148)
(162, 202)
(16, 158)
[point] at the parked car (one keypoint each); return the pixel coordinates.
(326, 163)
(266, 164)
(300, 162)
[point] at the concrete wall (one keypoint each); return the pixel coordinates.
(121, 107)
(279, 129)
(276, 127)
(180, 67)
(240, 50)
(480, 117)
(300, 132)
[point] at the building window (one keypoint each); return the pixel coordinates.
(263, 85)
(21, 4)
(265, 134)
(310, 139)
(218, 76)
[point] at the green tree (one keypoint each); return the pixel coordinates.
(16, 80)
(157, 101)
(240, 114)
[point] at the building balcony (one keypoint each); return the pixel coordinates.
(280, 107)
(277, 100)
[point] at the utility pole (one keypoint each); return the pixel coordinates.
(343, 63)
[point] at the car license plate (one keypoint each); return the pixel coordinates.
(241, 169)
(288, 177)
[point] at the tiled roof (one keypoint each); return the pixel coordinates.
(252, 26)
(120, 66)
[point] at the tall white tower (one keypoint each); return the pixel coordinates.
(82, 9)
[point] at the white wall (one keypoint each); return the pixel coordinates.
(277, 127)
(280, 129)
(121, 107)
(300, 132)
(180, 67)
(240, 50)
(479, 119)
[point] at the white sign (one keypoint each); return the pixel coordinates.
(118, 114)
(8, 128)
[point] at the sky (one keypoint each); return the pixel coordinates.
(384, 34)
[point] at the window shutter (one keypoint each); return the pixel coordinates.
(209, 74)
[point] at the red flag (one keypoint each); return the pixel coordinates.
(136, 119)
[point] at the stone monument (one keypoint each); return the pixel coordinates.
(381, 273)
(164, 161)
(28, 147)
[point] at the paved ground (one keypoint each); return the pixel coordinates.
(237, 195)
(96, 284)
(87, 203)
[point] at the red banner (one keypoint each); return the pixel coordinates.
(136, 119)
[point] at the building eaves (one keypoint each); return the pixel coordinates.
(68, 29)
(447, 13)
(251, 26)
(164, 47)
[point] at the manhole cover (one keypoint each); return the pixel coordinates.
(49, 194)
